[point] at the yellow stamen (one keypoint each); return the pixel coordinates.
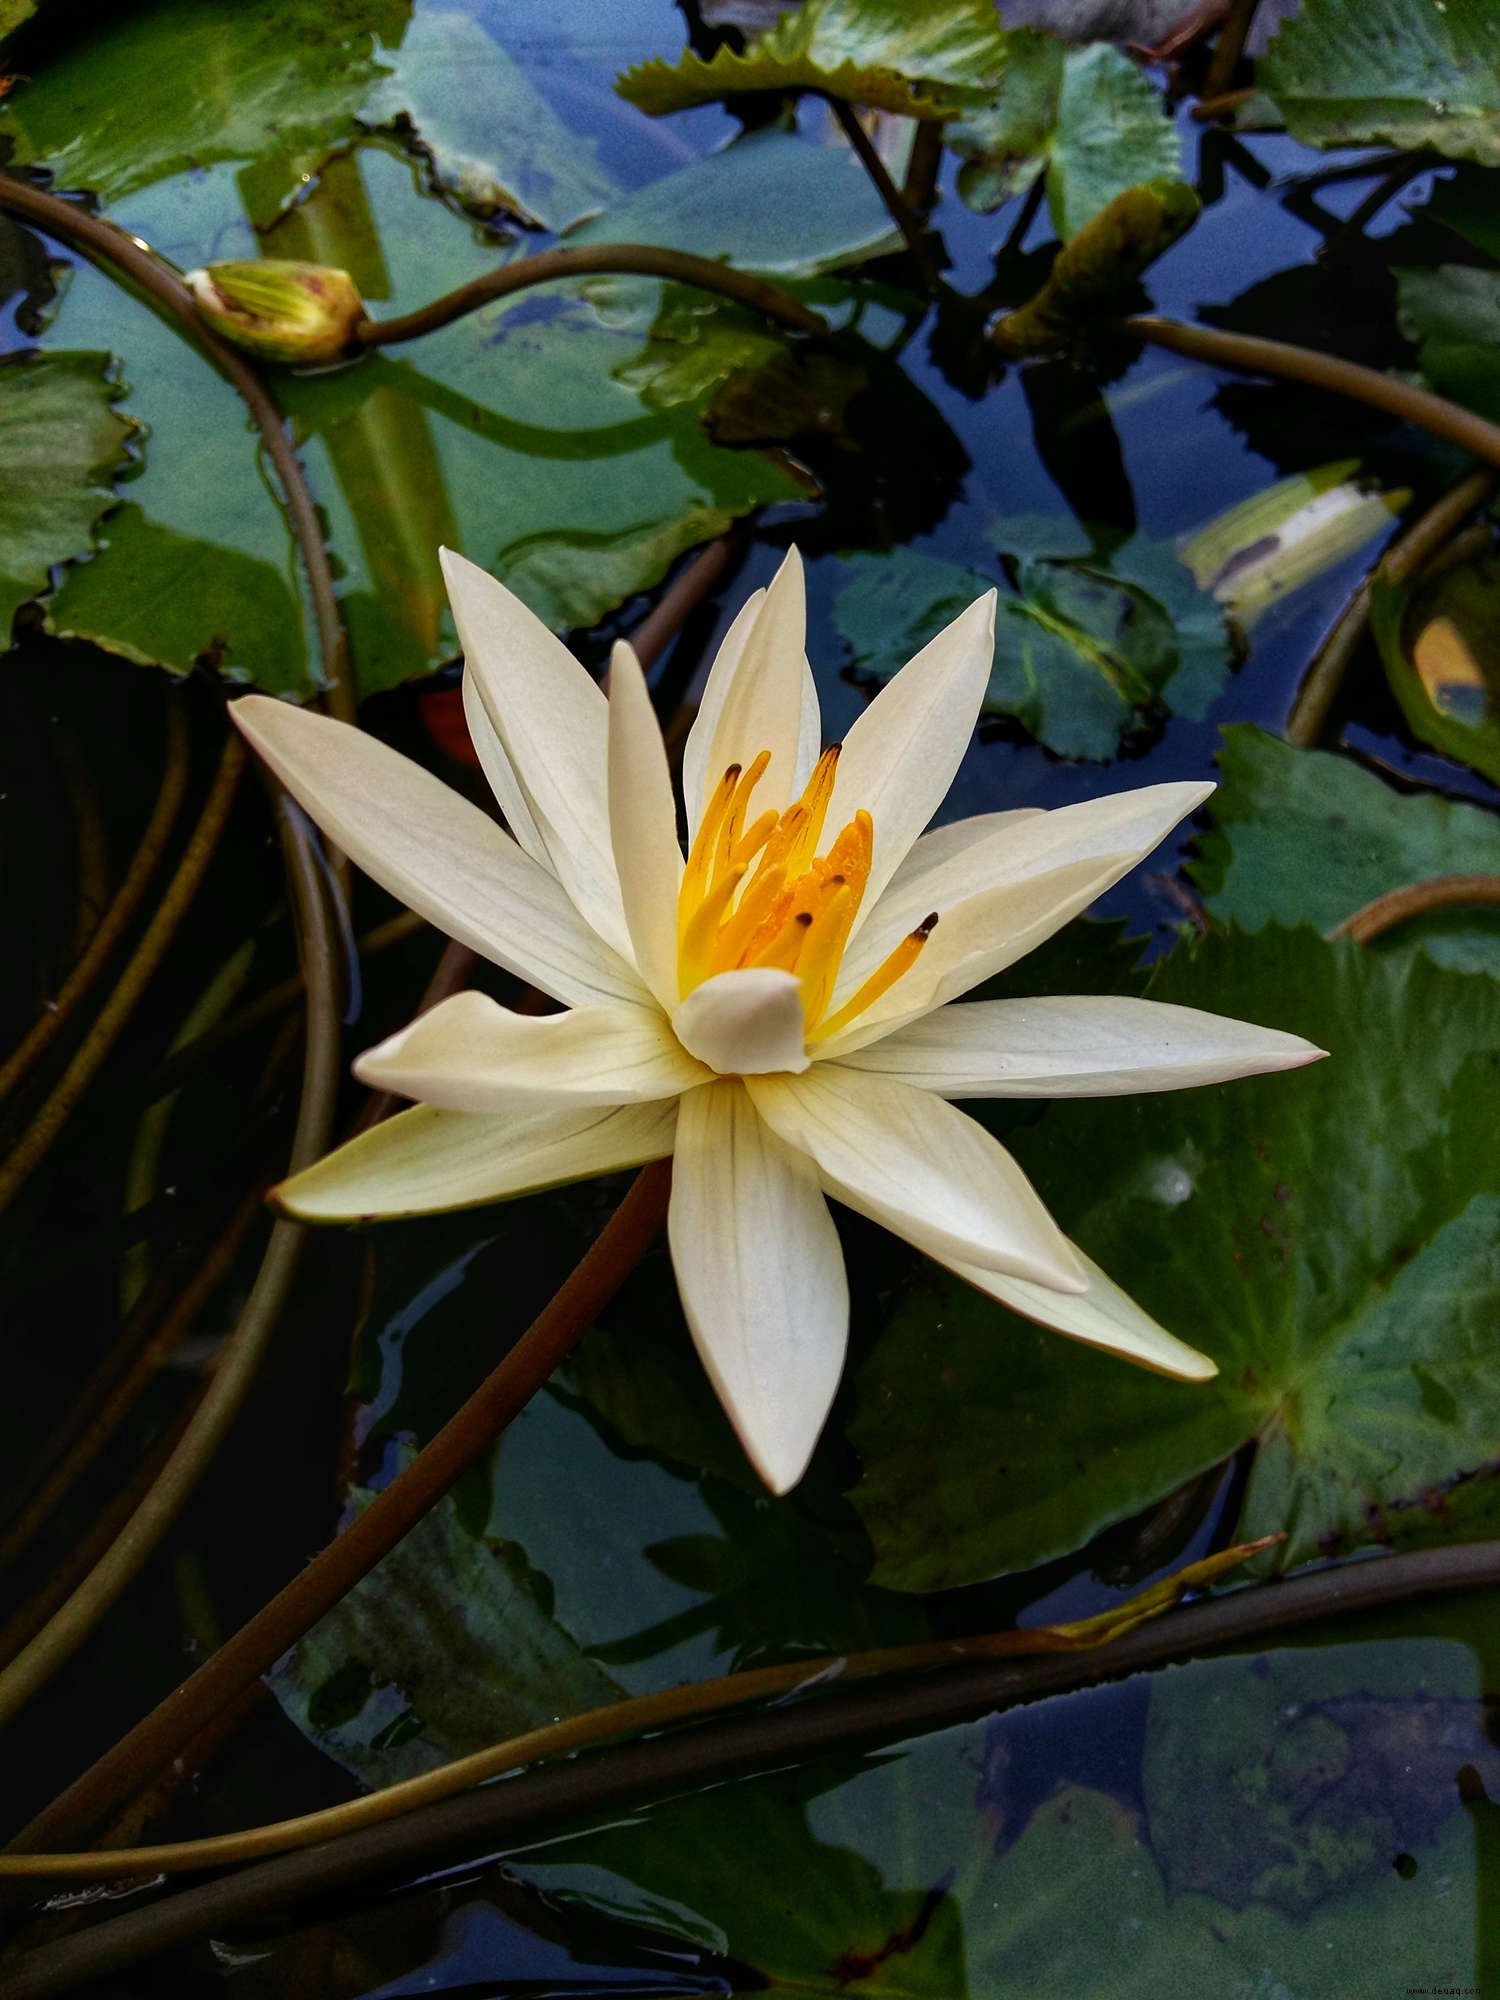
(765, 889)
(885, 975)
(752, 842)
(734, 819)
(814, 801)
(697, 874)
(695, 950)
(817, 968)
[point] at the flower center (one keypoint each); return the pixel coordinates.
(762, 895)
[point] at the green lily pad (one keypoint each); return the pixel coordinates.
(61, 442)
(1089, 648)
(1328, 1236)
(1406, 72)
(1085, 117)
(1276, 805)
(923, 62)
(1453, 314)
(1468, 202)
(1440, 644)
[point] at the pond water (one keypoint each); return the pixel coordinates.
(1310, 1820)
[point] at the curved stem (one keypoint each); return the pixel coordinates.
(116, 919)
(896, 205)
(71, 224)
(1229, 47)
(336, 1569)
(38, 1661)
(498, 1816)
(640, 259)
(1409, 553)
(1399, 906)
(147, 956)
(1325, 371)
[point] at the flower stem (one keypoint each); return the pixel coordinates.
(71, 224)
(1411, 552)
(147, 956)
(1399, 906)
(641, 259)
(896, 204)
(625, 1777)
(116, 919)
(1325, 371)
(413, 1493)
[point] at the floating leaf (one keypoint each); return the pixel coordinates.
(1413, 73)
(1101, 263)
(771, 202)
(1440, 644)
(1257, 553)
(1275, 806)
(61, 440)
(494, 143)
(922, 61)
(1086, 117)
(1329, 1237)
(1466, 202)
(1453, 314)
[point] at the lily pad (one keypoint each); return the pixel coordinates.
(1276, 805)
(923, 62)
(1440, 644)
(1406, 72)
(1329, 1237)
(1453, 314)
(1086, 117)
(61, 441)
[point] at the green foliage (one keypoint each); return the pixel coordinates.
(1097, 267)
(1453, 314)
(923, 61)
(1408, 72)
(1329, 1237)
(1440, 645)
(61, 442)
(1275, 806)
(1085, 117)
(1089, 648)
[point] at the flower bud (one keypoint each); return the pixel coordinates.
(279, 309)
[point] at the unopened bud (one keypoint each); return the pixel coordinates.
(279, 309)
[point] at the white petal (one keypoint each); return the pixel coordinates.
(941, 843)
(1103, 1316)
(643, 825)
(552, 720)
(503, 781)
(1114, 832)
(753, 699)
(425, 1159)
(924, 1170)
(1088, 1046)
(901, 756)
(745, 1023)
(438, 854)
(809, 731)
(470, 1054)
(761, 1276)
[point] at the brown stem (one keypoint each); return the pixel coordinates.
(116, 919)
(1229, 47)
(242, 1353)
(641, 259)
(919, 189)
(1399, 906)
(1325, 371)
(896, 203)
(147, 956)
(1407, 555)
(411, 1494)
(72, 224)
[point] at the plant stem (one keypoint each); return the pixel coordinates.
(147, 956)
(336, 1569)
(1229, 47)
(624, 1778)
(116, 919)
(1408, 554)
(71, 224)
(1325, 371)
(37, 1662)
(546, 266)
(1399, 906)
(897, 206)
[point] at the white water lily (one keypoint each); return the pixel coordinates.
(772, 1009)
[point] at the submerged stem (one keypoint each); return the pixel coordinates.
(396, 1508)
(896, 204)
(147, 956)
(1416, 899)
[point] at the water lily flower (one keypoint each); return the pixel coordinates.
(772, 1008)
